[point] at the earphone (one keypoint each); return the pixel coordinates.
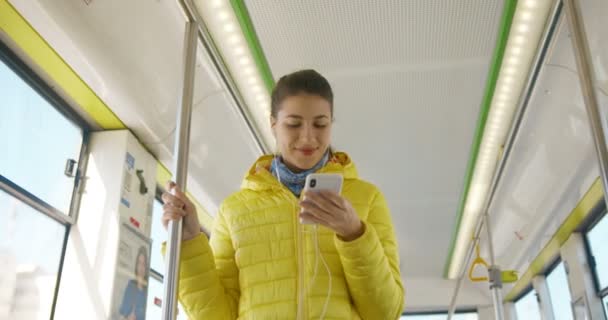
(317, 254)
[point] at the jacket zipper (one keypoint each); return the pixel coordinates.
(301, 272)
(301, 283)
(302, 313)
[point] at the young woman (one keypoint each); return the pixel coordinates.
(261, 261)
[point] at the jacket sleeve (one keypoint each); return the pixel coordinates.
(208, 276)
(371, 266)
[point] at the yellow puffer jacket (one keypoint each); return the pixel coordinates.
(260, 261)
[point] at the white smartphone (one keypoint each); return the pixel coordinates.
(322, 182)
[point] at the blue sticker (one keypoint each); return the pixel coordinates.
(125, 202)
(130, 161)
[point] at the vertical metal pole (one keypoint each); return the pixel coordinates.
(463, 271)
(494, 274)
(587, 80)
(182, 143)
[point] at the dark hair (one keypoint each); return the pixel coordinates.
(304, 81)
(142, 252)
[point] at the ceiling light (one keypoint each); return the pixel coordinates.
(531, 3)
(513, 60)
(234, 39)
(526, 16)
(507, 80)
(225, 29)
(248, 70)
(526, 32)
(523, 28)
(240, 50)
(229, 27)
(244, 61)
(510, 70)
(516, 50)
(519, 40)
(217, 3)
(223, 15)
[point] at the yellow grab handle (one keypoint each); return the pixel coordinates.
(478, 261)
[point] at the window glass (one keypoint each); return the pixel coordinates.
(155, 296)
(598, 237)
(557, 282)
(36, 141)
(155, 289)
(158, 235)
(31, 246)
(527, 307)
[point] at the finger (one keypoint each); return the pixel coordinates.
(168, 198)
(172, 216)
(169, 208)
(175, 190)
(323, 204)
(334, 197)
(170, 185)
(174, 202)
(306, 217)
(177, 193)
(312, 209)
(308, 205)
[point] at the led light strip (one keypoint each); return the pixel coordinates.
(223, 25)
(524, 37)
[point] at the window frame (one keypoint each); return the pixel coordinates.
(46, 91)
(157, 197)
(528, 289)
(601, 292)
(440, 312)
(546, 274)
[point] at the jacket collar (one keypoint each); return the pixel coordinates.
(259, 177)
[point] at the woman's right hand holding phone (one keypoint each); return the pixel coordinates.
(177, 206)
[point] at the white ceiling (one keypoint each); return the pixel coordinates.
(408, 77)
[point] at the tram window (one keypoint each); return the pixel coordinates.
(597, 238)
(37, 141)
(557, 282)
(605, 302)
(527, 307)
(158, 234)
(440, 316)
(157, 265)
(154, 305)
(29, 260)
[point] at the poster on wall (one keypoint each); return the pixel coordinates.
(132, 274)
